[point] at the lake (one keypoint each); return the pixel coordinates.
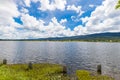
(75, 55)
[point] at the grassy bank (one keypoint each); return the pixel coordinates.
(86, 75)
(39, 72)
(43, 72)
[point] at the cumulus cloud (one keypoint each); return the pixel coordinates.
(27, 2)
(105, 18)
(63, 21)
(32, 27)
(80, 30)
(7, 31)
(73, 7)
(91, 5)
(76, 9)
(24, 10)
(55, 4)
(29, 22)
(85, 19)
(8, 10)
(53, 29)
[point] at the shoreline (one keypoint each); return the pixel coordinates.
(62, 41)
(46, 70)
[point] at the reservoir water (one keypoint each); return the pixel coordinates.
(75, 55)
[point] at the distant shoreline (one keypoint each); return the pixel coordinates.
(100, 37)
(65, 40)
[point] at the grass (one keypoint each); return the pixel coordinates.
(43, 71)
(86, 75)
(39, 72)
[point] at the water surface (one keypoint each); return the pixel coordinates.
(75, 55)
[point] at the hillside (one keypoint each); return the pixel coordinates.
(92, 37)
(106, 37)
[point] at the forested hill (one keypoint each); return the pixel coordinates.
(107, 37)
(92, 37)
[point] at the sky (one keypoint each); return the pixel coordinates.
(31, 19)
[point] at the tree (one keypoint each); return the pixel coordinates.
(118, 5)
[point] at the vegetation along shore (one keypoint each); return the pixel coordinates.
(44, 71)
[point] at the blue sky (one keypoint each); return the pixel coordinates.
(57, 18)
(66, 14)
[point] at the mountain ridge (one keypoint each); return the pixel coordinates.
(98, 36)
(109, 36)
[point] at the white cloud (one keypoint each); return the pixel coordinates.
(53, 29)
(31, 28)
(27, 2)
(55, 4)
(91, 5)
(75, 18)
(85, 19)
(8, 32)
(80, 30)
(63, 21)
(105, 18)
(29, 22)
(76, 9)
(8, 10)
(24, 10)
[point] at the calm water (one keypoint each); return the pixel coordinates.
(75, 55)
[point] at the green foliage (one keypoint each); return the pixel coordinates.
(118, 5)
(43, 72)
(39, 72)
(85, 75)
